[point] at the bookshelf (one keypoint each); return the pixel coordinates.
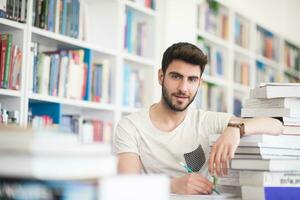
(72, 77)
(249, 54)
(106, 36)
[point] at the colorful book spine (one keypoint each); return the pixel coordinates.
(7, 61)
(4, 39)
(95, 130)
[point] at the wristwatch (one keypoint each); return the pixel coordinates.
(238, 124)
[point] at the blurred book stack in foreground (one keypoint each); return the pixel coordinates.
(44, 164)
(270, 165)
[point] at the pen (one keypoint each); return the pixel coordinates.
(215, 184)
(189, 170)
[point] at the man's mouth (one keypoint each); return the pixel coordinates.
(181, 97)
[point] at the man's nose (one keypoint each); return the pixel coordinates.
(183, 86)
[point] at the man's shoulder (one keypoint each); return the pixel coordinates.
(134, 118)
(201, 113)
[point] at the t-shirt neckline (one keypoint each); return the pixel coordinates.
(160, 132)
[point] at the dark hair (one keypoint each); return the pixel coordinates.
(186, 52)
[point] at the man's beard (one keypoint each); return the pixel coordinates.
(168, 100)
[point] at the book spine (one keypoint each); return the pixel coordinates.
(12, 65)
(64, 16)
(4, 43)
(7, 60)
(23, 10)
(270, 179)
(88, 55)
(51, 12)
(3, 6)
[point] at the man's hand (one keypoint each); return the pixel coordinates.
(191, 184)
(223, 151)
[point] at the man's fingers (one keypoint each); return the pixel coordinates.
(203, 181)
(200, 186)
(196, 189)
(224, 159)
(212, 159)
(218, 160)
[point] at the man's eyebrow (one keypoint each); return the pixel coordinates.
(194, 77)
(178, 74)
(175, 73)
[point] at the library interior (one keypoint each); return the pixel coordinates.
(149, 99)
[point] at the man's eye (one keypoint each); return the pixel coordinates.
(175, 76)
(193, 79)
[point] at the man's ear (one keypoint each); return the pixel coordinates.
(160, 76)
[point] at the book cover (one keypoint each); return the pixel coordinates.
(271, 112)
(272, 103)
(270, 193)
(281, 141)
(268, 151)
(265, 165)
(57, 167)
(283, 179)
(276, 90)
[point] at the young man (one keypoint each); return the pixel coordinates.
(157, 139)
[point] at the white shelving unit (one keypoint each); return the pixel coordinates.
(251, 54)
(194, 21)
(105, 38)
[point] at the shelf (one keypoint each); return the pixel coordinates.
(11, 93)
(12, 24)
(214, 80)
(243, 51)
(292, 72)
(267, 61)
(241, 88)
(138, 59)
(140, 8)
(71, 41)
(214, 39)
(71, 102)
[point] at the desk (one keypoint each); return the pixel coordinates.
(204, 197)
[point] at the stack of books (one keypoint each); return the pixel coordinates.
(276, 100)
(273, 164)
(44, 164)
(270, 165)
(230, 184)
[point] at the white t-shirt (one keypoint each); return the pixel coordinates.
(162, 152)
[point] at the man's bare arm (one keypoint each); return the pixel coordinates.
(224, 148)
(262, 125)
(129, 163)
